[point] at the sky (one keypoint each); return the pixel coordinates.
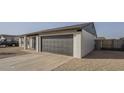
(104, 29)
(110, 29)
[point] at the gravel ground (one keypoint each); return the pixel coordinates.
(11, 51)
(96, 61)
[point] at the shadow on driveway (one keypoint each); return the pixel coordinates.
(105, 54)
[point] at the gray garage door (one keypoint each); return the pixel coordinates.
(61, 44)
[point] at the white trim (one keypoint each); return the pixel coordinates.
(40, 44)
(25, 42)
(58, 34)
(37, 43)
(77, 45)
(20, 44)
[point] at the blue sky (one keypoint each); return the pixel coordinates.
(110, 29)
(105, 29)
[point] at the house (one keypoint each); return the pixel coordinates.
(122, 38)
(100, 38)
(110, 44)
(9, 37)
(76, 40)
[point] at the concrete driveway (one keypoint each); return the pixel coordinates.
(16, 59)
(96, 61)
(33, 62)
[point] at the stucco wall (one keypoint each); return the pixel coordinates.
(88, 43)
(21, 42)
(77, 45)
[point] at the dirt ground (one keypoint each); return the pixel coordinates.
(11, 51)
(96, 61)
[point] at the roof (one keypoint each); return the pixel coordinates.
(122, 38)
(100, 38)
(9, 35)
(73, 27)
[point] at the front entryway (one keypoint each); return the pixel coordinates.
(34, 42)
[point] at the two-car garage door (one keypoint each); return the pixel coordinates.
(61, 44)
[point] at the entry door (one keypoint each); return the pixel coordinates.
(61, 44)
(34, 42)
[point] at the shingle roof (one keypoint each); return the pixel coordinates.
(73, 27)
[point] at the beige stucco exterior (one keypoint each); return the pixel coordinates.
(83, 41)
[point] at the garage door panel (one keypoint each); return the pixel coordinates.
(62, 44)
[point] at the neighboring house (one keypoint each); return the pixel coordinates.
(100, 38)
(9, 37)
(76, 40)
(110, 44)
(122, 38)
